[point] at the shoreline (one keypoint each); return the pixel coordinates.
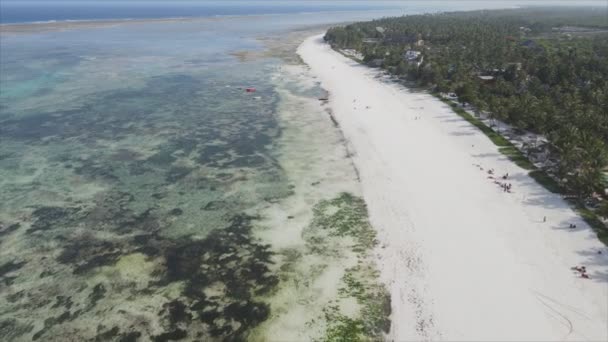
(419, 163)
(312, 153)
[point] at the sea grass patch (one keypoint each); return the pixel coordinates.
(340, 229)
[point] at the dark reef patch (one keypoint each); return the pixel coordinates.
(145, 151)
(52, 321)
(96, 170)
(11, 329)
(174, 335)
(52, 217)
(176, 311)
(227, 260)
(112, 212)
(176, 212)
(114, 334)
(158, 196)
(125, 155)
(87, 253)
(246, 161)
(130, 336)
(37, 126)
(6, 229)
(176, 173)
(107, 335)
(12, 298)
(98, 293)
(138, 168)
(163, 157)
(62, 301)
(213, 154)
(9, 267)
(214, 205)
(230, 259)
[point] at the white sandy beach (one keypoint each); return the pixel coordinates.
(463, 259)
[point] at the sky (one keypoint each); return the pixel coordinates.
(572, 2)
(177, 3)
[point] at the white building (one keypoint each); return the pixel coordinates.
(411, 55)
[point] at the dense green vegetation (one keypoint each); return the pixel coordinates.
(539, 69)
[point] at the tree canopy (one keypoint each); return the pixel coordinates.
(540, 69)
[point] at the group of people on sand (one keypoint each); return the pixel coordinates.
(355, 108)
(506, 187)
(582, 271)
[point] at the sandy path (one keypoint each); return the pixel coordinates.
(463, 259)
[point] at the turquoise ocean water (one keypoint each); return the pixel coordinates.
(135, 172)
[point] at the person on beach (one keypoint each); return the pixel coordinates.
(544, 218)
(582, 270)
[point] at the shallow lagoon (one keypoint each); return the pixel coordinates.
(145, 195)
